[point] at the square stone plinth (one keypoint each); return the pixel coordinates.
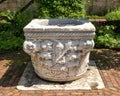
(90, 80)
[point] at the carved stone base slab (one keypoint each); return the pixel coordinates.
(90, 80)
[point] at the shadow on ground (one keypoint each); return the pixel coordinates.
(106, 59)
(12, 64)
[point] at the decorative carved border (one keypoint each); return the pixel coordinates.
(59, 35)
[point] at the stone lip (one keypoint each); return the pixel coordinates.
(61, 25)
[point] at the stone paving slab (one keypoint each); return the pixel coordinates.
(90, 80)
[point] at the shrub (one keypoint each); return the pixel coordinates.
(11, 29)
(114, 15)
(7, 19)
(8, 41)
(60, 8)
(106, 37)
(4, 25)
(114, 19)
(20, 21)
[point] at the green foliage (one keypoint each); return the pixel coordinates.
(106, 37)
(20, 21)
(114, 15)
(9, 15)
(4, 25)
(60, 8)
(9, 41)
(11, 29)
(7, 19)
(114, 18)
(109, 36)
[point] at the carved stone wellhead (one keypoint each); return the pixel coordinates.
(59, 48)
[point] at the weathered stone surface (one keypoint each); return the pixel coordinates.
(90, 80)
(59, 25)
(59, 48)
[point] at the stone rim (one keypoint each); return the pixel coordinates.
(83, 25)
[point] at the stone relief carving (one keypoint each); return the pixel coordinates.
(59, 59)
(61, 52)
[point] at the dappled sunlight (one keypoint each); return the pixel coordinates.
(5, 63)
